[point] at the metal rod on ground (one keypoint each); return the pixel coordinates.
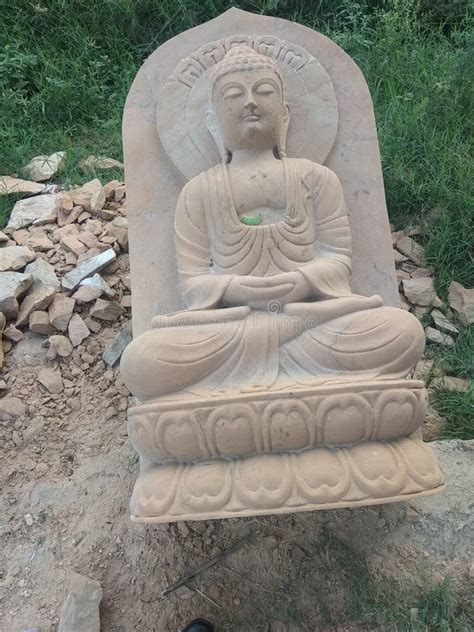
(217, 558)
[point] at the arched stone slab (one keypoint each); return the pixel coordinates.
(154, 183)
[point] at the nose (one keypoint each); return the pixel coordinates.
(250, 100)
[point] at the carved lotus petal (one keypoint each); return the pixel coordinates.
(377, 468)
(398, 413)
(232, 430)
(180, 436)
(264, 482)
(287, 423)
(141, 433)
(344, 419)
(206, 486)
(322, 476)
(421, 465)
(155, 491)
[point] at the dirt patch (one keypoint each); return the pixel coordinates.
(69, 474)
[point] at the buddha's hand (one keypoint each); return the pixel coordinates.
(256, 291)
(300, 288)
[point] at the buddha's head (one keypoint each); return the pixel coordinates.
(248, 109)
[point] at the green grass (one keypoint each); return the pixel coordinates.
(456, 406)
(66, 67)
(333, 586)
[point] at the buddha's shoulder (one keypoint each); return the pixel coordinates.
(314, 170)
(194, 186)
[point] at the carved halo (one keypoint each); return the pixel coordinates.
(184, 100)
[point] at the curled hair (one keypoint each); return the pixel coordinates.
(241, 58)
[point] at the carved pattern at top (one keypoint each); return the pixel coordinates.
(190, 69)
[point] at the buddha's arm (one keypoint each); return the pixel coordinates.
(201, 288)
(329, 273)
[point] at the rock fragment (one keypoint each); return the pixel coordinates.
(60, 345)
(40, 209)
(87, 268)
(118, 228)
(43, 272)
(11, 407)
(41, 168)
(96, 281)
(13, 286)
(111, 187)
(87, 293)
(60, 311)
(80, 612)
(442, 322)
(38, 323)
(106, 310)
(90, 196)
(12, 333)
(88, 239)
(408, 247)
(433, 425)
(17, 186)
(71, 243)
(45, 286)
(113, 352)
(51, 379)
(461, 300)
(398, 257)
(456, 383)
(38, 299)
(100, 162)
(15, 257)
(421, 291)
(433, 335)
(77, 330)
(38, 240)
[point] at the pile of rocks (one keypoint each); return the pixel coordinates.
(64, 267)
(418, 294)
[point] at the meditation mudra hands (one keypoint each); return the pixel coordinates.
(257, 292)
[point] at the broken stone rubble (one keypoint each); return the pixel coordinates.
(16, 186)
(44, 167)
(80, 612)
(34, 210)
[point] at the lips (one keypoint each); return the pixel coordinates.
(252, 117)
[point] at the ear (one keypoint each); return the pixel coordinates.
(211, 123)
(286, 114)
(213, 127)
(281, 148)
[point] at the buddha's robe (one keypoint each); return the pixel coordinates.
(335, 335)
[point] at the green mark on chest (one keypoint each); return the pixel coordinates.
(251, 220)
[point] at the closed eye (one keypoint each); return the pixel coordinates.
(232, 93)
(265, 89)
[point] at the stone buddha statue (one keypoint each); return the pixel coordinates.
(263, 247)
(277, 389)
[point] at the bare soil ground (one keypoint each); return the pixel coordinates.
(67, 474)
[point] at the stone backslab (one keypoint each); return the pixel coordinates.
(153, 183)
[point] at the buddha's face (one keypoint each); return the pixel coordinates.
(249, 109)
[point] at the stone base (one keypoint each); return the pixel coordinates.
(368, 473)
(277, 420)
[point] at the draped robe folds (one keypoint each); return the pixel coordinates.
(334, 335)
